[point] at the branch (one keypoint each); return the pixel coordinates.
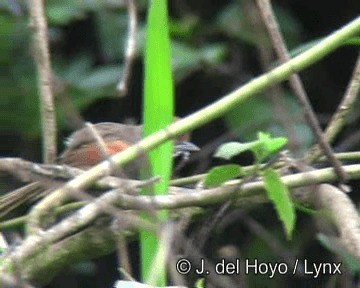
(45, 263)
(297, 86)
(35, 245)
(122, 87)
(344, 215)
(281, 112)
(42, 59)
(337, 122)
(42, 178)
(230, 190)
(195, 120)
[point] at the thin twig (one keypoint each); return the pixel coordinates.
(80, 219)
(337, 122)
(274, 92)
(297, 86)
(33, 244)
(99, 140)
(19, 221)
(122, 86)
(228, 191)
(23, 170)
(42, 181)
(42, 59)
(123, 257)
(210, 112)
(52, 257)
(15, 198)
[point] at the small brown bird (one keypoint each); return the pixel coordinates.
(84, 151)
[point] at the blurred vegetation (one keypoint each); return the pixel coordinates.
(90, 66)
(216, 46)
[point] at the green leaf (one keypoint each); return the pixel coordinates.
(276, 144)
(278, 193)
(231, 149)
(267, 146)
(218, 175)
(158, 113)
(271, 145)
(200, 283)
(158, 89)
(262, 148)
(305, 209)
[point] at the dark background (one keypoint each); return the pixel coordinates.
(218, 48)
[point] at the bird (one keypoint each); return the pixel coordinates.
(83, 150)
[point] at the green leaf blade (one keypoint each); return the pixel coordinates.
(271, 145)
(231, 149)
(221, 174)
(158, 113)
(279, 194)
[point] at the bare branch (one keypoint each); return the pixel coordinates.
(210, 112)
(344, 214)
(44, 262)
(274, 92)
(122, 87)
(33, 245)
(98, 139)
(42, 59)
(337, 122)
(296, 84)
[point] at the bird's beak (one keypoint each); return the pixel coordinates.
(184, 149)
(186, 146)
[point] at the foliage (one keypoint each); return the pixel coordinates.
(218, 175)
(262, 148)
(278, 193)
(259, 115)
(88, 78)
(158, 96)
(224, 45)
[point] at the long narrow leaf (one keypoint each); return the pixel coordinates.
(158, 113)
